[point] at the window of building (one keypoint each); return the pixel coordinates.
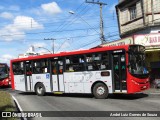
(156, 5)
(133, 12)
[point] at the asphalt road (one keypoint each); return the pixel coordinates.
(78, 102)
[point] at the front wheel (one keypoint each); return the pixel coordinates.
(40, 89)
(100, 91)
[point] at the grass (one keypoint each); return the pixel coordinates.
(6, 103)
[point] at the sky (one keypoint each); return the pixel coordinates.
(25, 23)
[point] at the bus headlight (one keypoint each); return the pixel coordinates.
(135, 82)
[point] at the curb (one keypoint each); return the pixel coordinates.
(154, 93)
(18, 107)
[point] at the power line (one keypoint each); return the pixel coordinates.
(70, 16)
(44, 32)
(101, 19)
(73, 20)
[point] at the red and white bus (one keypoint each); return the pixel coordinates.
(4, 75)
(99, 71)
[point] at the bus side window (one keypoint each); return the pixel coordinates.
(60, 67)
(18, 68)
(105, 61)
(75, 63)
(44, 70)
(93, 61)
(90, 67)
(37, 67)
(54, 70)
(44, 66)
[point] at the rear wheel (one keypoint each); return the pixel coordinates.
(40, 89)
(100, 91)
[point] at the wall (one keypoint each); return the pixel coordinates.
(145, 18)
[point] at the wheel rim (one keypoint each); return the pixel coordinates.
(100, 90)
(39, 90)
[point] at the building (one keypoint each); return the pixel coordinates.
(31, 52)
(139, 23)
(138, 17)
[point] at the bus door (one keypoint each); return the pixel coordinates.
(57, 75)
(28, 76)
(119, 71)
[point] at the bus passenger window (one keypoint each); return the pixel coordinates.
(76, 63)
(60, 69)
(95, 66)
(44, 70)
(71, 69)
(18, 68)
(103, 66)
(90, 67)
(54, 71)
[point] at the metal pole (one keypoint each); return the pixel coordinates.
(143, 6)
(53, 46)
(152, 11)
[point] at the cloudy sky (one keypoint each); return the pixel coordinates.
(28, 22)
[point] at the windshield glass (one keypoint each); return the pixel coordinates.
(3, 71)
(137, 63)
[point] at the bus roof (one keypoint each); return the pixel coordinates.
(101, 49)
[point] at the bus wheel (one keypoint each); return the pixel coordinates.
(40, 89)
(100, 91)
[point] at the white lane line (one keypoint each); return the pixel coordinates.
(19, 107)
(17, 103)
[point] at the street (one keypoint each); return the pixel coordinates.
(79, 102)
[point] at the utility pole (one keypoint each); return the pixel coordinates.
(52, 43)
(101, 18)
(152, 7)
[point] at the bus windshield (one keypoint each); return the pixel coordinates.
(3, 72)
(137, 65)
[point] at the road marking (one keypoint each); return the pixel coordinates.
(19, 107)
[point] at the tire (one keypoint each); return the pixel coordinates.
(40, 89)
(100, 91)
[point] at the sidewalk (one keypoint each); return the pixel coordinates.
(152, 91)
